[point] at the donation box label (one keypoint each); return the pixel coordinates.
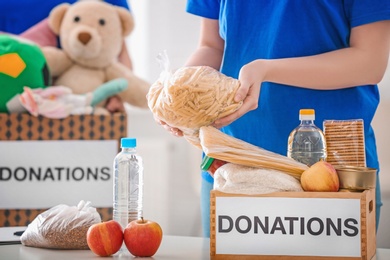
(288, 226)
(42, 174)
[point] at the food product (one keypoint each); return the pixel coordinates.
(143, 237)
(193, 97)
(221, 146)
(345, 141)
(61, 227)
(211, 165)
(321, 176)
(105, 238)
(233, 178)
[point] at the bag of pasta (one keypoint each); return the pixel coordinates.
(61, 227)
(192, 97)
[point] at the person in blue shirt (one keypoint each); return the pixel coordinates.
(326, 55)
(18, 16)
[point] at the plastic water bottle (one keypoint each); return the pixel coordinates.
(306, 143)
(128, 183)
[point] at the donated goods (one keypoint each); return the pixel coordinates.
(239, 179)
(128, 183)
(193, 97)
(219, 145)
(210, 164)
(345, 142)
(61, 227)
(306, 143)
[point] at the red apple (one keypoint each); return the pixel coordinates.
(321, 176)
(105, 238)
(143, 237)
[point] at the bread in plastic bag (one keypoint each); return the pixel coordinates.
(239, 179)
(219, 145)
(192, 97)
(61, 227)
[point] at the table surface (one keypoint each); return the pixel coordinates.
(172, 248)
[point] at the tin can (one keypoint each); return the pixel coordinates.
(210, 164)
(356, 178)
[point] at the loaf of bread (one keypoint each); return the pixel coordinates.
(193, 97)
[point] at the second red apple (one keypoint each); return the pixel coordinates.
(143, 237)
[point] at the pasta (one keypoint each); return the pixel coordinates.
(193, 97)
(219, 145)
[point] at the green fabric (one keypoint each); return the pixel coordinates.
(108, 89)
(34, 71)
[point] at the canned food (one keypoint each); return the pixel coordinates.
(210, 164)
(356, 178)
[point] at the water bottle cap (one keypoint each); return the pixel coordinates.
(128, 142)
(306, 114)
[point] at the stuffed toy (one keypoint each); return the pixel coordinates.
(22, 63)
(91, 36)
(59, 101)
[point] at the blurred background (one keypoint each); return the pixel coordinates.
(172, 175)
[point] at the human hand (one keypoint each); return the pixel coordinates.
(251, 76)
(173, 130)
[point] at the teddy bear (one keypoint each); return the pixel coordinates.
(91, 34)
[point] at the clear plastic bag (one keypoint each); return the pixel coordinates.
(345, 142)
(61, 227)
(192, 97)
(239, 179)
(219, 145)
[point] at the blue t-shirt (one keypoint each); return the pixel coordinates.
(272, 29)
(19, 15)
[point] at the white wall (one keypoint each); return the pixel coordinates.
(164, 25)
(381, 125)
(172, 175)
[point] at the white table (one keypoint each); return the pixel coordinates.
(172, 248)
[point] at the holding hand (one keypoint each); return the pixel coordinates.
(251, 76)
(173, 130)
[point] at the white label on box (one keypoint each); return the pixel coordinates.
(41, 174)
(288, 226)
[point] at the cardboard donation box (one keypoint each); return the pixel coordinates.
(46, 162)
(293, 225)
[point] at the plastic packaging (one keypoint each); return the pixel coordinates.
(128, 183)
(306, 143)
(239, 179)
(61, 227)
(192, 97)
(219, 145)
(345, 142)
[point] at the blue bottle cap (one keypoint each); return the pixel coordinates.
(128, 142)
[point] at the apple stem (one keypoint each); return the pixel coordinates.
(142, 220)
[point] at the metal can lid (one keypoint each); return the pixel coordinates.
(206, 163)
